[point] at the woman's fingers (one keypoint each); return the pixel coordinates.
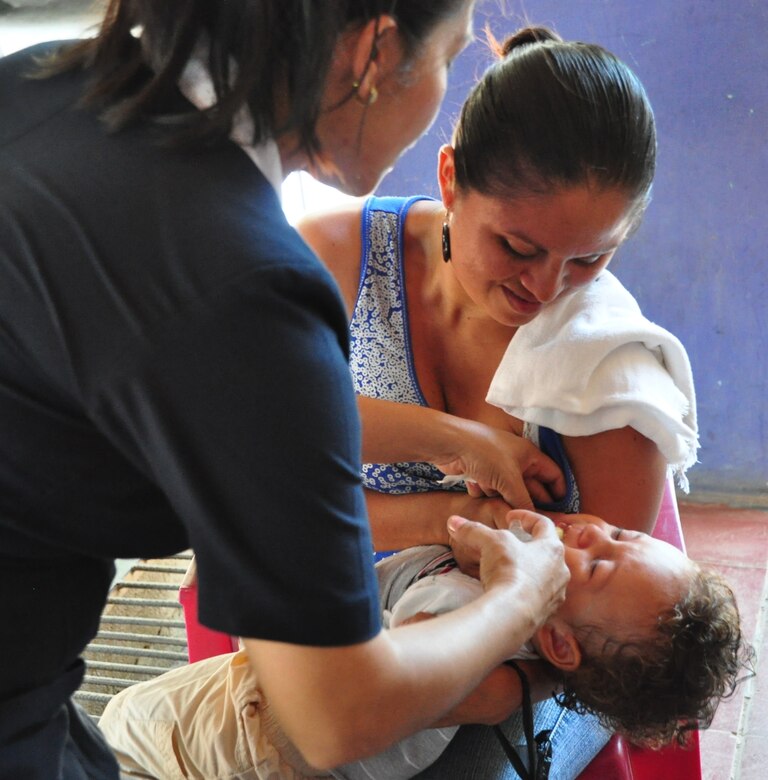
(480, 491)
(542, 469)
(511, 486)
(503, 559)
(500, 463)
(532, 522)
(474, 490)
(538, 492)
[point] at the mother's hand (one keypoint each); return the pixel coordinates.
(497, 462)
(500, 463)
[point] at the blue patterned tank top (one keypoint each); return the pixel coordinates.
(381, 356)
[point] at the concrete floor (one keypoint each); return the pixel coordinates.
(734, 542)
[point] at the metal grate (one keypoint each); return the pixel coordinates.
(141, 634)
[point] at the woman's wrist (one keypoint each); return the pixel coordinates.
(451, 437)
(399, 521)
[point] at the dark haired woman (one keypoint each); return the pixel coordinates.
(173, 372)
(549, 172)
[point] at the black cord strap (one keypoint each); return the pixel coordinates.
(539, 748)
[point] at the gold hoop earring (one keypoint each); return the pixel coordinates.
(373, 94)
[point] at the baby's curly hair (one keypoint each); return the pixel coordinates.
(655, 689)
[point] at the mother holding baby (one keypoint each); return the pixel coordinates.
(503, 285)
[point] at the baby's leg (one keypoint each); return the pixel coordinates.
(200, 721)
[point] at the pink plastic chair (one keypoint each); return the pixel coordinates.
(202, 642)
(618, 760)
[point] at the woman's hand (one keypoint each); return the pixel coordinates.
(499, 559)
(500, 463)
(494, 513)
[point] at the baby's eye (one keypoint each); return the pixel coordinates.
(593, 566)
(616, 533)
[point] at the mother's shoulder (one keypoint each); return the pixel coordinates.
(335, 237)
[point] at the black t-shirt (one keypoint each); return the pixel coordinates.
(173, 373)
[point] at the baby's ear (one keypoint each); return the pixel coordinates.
(558, 645)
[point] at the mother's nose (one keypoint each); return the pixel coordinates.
(544, 279)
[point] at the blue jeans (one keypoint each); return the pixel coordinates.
(475, 753)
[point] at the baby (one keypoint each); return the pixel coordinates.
(645, 639)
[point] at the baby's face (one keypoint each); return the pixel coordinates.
(620, 580)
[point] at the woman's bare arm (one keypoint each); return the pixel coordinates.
(334, 236)
(499, 461)
(411, 519)
(621, 476)
(500, 694)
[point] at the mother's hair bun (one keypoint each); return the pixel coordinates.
(525, 36)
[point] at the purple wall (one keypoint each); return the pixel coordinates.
(698, 264)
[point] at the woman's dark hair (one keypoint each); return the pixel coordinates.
(260, 52)
(656, 688)
(552, 113)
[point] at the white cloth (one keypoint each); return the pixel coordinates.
(444, 592)
(591, 362)
(435, 594)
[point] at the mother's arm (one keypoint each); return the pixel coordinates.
(499, 461)
(621, 476)
(399, 521)
(502, 462)
(500, 694)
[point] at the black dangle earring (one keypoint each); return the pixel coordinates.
(446, 241)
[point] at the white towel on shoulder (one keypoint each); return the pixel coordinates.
(592, 362)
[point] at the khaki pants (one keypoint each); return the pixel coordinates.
(206, 721)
